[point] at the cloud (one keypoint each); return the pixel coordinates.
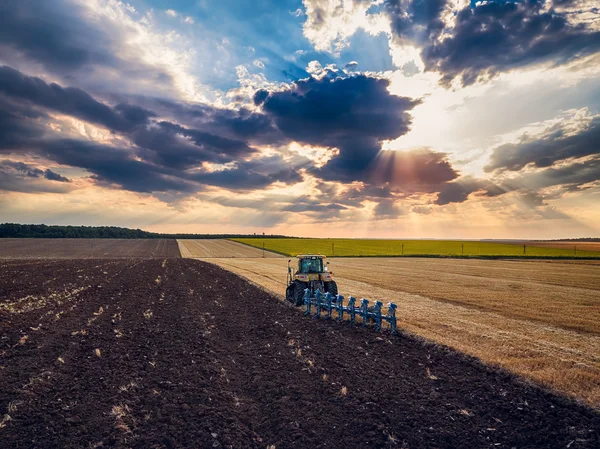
(388, 209)
(478, 42)
(70, 101)
(16, 176)
(142, 154)
(53, 34)
(555, 144)
(171, 13)
(571, 177)
(420, 170)
(564, 158)
(189, 20)
(34, 172)
(96, 45)
(353, 114)
(329, 24)
(459, 191)
(177, 147)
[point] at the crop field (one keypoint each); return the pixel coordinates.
(569, 246)
(87, 248)
(373, 247)
(206, 248)
(538, 319)
(179, 353)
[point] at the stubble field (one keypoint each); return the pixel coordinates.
(207, 248)
(538, 319)
(177, 353)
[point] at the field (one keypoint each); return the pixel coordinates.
(86, 248)
(578, 246)
(207, 248)
(366, 247)
(178, 353)
(535, 318)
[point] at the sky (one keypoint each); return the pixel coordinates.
(455, 119)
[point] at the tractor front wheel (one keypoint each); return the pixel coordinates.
(331, 287)
(298, 293)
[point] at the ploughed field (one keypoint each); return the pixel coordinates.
(536, 318)
(181, 353)
(432, 248)
(87, 248)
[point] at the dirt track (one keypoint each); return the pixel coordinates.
(179, 353)
(86, 248)
(208, 248)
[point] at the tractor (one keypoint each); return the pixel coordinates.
(311, 274)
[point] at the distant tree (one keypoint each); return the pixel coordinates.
(15, 230)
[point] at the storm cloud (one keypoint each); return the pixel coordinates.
(162, 155)
(353, 114)
(70, 101)
(488, 38)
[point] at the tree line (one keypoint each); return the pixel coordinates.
(15, 230)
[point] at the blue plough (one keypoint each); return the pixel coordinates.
(328, 303)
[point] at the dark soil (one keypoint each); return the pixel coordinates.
(191, 355)
(87, 248)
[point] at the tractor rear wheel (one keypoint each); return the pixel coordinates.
(289, 292)
(298, 292)
(331, 287)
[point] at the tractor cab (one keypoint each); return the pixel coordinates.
(313, 274)
(310, 264)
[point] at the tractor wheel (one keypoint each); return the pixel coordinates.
(298, 292)
(289, 292)
(331, 287)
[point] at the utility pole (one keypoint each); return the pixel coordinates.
(524, 249)
(403, 249)
(462, 249)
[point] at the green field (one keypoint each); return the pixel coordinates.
(361, 248)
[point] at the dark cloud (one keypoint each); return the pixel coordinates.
(419, 170)
(172, 145)
(353, 114)
(254, 174)
(70, 101)
(570, 177)
(554, 146)
(16, 176)
(19, 123)
(68, 40)
(306, 205)
(34, 172)
(459, 191)
(119, 166)
(491, 37)
(237, 124)
(53, 33)
(165, 157)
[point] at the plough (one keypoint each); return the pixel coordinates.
(328, 303)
